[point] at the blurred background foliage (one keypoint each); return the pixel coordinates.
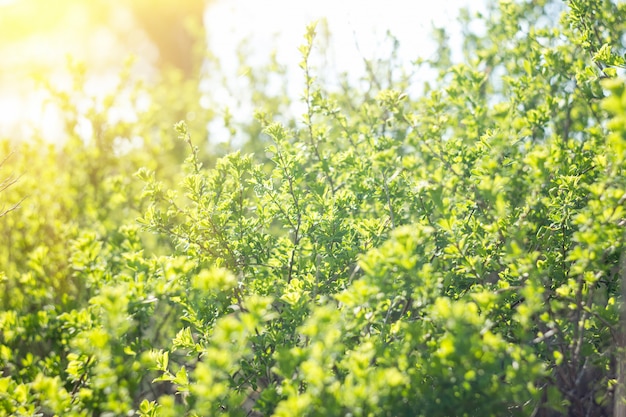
(162, 32)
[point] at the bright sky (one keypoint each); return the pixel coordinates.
(269, 24)
(358, 30)
(351, 22)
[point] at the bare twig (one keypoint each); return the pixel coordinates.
(6, 183)
(620, 389)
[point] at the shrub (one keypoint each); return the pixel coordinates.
(452, 253)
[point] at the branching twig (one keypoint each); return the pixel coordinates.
(6, 183)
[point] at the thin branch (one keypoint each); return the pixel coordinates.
(10, 209)
(620, 389)
(389, 205)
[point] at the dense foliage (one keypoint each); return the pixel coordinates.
(453, 252)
